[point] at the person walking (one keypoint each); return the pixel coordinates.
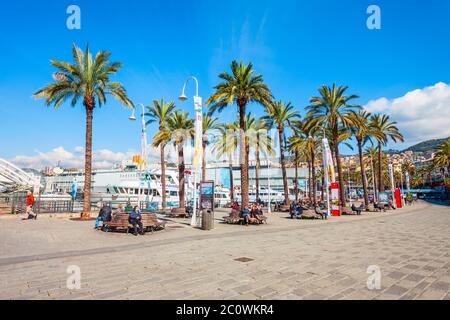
(30, 204)
(135, 219)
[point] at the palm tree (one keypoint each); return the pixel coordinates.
(308, 140)
(281, 115)
(361, 131)
(383, 129)
(226, 143)
(209, 124)
(371, 155)
(88, 79)
(179, 130)
(332, 109)
(258, 138)
(240, 87)
(441, 158)
(159, 113)
(295, 146)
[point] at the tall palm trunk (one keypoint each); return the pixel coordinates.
(283, 167)
(339, 170)
(204, 161)
(313, 173)
(89, 104)
(309, 180)
(363, 173)
(296, 176)
(231, 178)
(163, 178)
(181, 178)
(257, 166)
(380, 168)
(243, 155)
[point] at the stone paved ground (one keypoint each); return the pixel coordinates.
(292, 259)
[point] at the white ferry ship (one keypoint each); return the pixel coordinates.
(121, 184)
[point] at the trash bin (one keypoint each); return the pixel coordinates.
(207, 220)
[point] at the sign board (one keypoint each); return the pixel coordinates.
(335, 203)
(207, 195)
(383, 198)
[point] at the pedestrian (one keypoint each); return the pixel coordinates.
(30, 204)
(135, 219)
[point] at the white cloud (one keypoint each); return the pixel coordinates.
(421, 114)
(101, 158)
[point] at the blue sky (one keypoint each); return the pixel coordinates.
(296, 45)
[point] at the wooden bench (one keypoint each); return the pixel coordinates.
(284, 208)
(310, 214)
(346, 211)
(177, 213)
(120, 222)
(235, 218)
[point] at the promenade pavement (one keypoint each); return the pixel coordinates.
(285, 259)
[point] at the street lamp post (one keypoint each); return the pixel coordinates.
(327, 178)
(349, 182)
(197, 140)
(143, 148)
(268, 185)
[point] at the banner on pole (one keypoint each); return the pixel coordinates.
(198, 132)
(391, 175)
(328, 160)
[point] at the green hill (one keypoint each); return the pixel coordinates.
(426, 146)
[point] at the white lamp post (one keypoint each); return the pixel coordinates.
(268, 185)
(327, 177)
(197, 140)
(143, 148)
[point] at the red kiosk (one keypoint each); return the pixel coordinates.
(398, 198)
(335, 203)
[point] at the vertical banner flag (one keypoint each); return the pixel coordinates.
(408, 187)
(144, 156)
(198, 132)
(74, 189)
(195, 220)
(328, 160)
(391, 175)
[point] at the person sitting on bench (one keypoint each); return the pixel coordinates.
(104, 215)
(135, 219)
(321, 213)
(256, 213)
(358, 210)
(246, 214)
(297, 210)
(391, 204)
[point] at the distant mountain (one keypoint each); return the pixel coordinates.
(428, 146)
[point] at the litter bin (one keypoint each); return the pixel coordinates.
(207, 220)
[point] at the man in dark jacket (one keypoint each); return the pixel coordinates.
(103, 215)
(135, 219)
